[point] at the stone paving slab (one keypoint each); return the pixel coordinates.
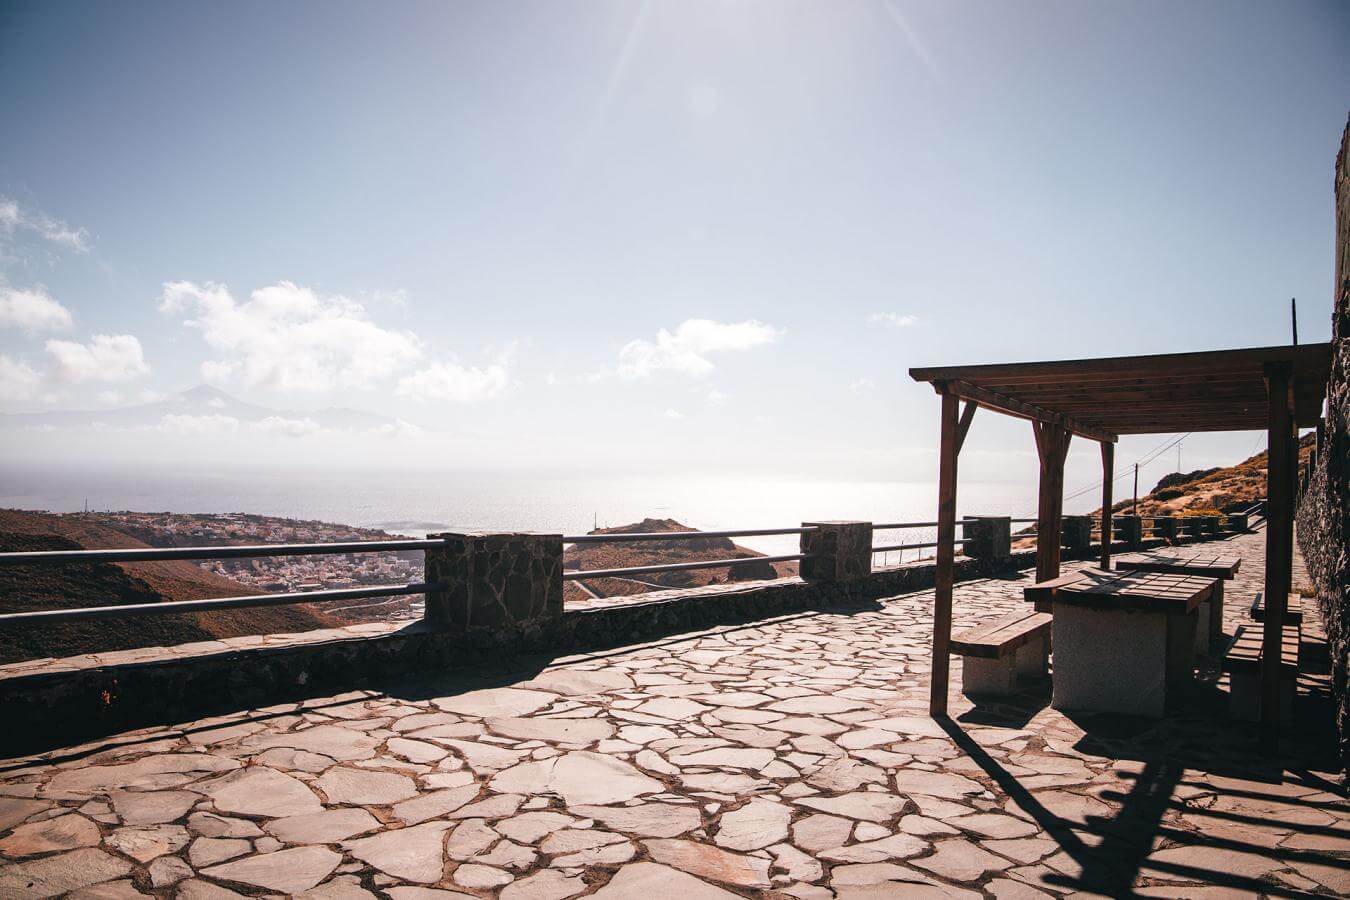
(789, 758)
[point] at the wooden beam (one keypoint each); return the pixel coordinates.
(1014, 407)
(943, 576)
(1280, 436)
(1108, 477)
(1305, 358)
(1052, 444)
(967, 416)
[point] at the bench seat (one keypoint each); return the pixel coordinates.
(1242, 662)
(997, 652)
(1293, 611)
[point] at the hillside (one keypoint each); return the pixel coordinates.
(622, 554)
(1208, 492)
(24, 588)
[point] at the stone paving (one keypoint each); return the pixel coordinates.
(789, 758)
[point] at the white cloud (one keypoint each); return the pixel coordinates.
(894, 320)
(284, 427)
(32, 310)
(107, 357)
(287, 337)
(12, 218)
(398, 428)
(199, 426)
(716, 397)
(685, 351)
(456, 383)
(18, 380)
(673, 414)
(863, 385)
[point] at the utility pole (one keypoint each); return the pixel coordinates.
(1179, 443)
(1135, 511)
(1293, 317)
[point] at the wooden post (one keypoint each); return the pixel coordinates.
(1108, 466)
(1052, 444)
(1279, 539)
(946, 548)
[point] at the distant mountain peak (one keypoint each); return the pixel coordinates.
(205, 392)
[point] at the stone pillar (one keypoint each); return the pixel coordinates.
(841, 551)
(1167, 527)
(1129, 530)
(1192, 527)
(989, 538)
(1237, 522)
(1077, 532)
(500, 582)
(1209, 526)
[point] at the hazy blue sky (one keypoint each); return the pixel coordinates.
(674, 232)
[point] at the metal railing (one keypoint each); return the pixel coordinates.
(166, 554)
(671, 536)
(586, 574)
(618, 537)
(922, 545)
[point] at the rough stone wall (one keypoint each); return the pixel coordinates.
(1324, 508)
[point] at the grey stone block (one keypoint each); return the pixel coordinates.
(1128, 530)
(839, 551)
(989, 537)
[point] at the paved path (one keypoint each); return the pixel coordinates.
(788, 758)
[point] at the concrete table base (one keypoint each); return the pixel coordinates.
(1112, 661)
(1121, 660)
(1182, 635)
(1209, 631)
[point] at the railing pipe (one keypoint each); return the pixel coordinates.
(892, 547)
(160, 554)
(892, 526)
(678, 535)
(582, 574)
(51, 616)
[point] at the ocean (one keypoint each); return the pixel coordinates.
(415, 503)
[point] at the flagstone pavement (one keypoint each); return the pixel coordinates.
(786, 758)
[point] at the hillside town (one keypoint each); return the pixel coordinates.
(269, 574)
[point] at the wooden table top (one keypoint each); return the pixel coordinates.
(1184, 562)
(1103, 589)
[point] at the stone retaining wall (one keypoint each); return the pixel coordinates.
(1324, 507)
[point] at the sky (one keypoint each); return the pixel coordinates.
(646, 236)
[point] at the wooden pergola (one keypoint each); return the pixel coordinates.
(1279, 389)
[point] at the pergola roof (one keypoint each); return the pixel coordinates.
(1217, 390)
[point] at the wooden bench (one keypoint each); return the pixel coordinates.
(1242, 662)
(997, 652)
(1293, 611)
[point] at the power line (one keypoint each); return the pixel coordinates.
(1145, 460)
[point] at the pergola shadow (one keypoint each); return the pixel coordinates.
(1109, 854)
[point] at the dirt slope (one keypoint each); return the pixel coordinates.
(654, 553)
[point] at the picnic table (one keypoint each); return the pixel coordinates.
(1121, 640)
(1206, 563)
